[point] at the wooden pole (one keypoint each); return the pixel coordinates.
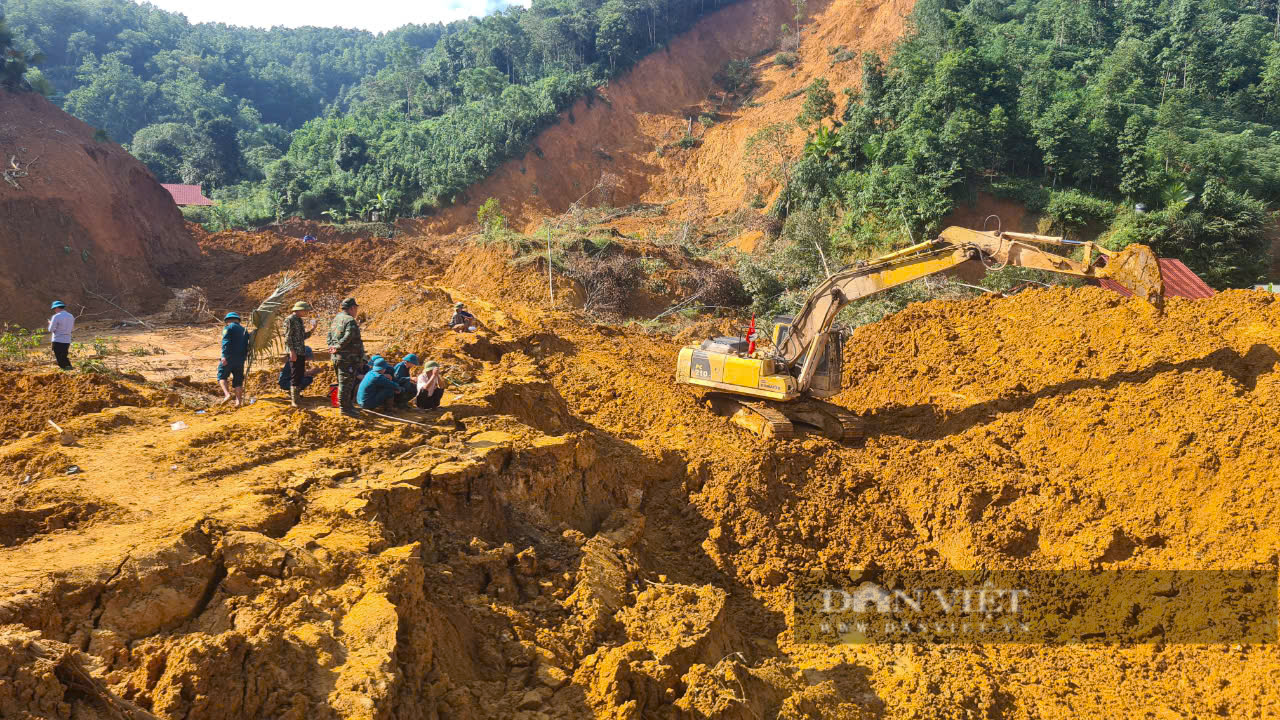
(551, 286)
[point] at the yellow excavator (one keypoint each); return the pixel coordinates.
(771, 391)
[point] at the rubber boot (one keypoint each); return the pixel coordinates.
(293, 397)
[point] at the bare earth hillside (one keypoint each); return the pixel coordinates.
(572, 535)
(86, 217)
(651, 106)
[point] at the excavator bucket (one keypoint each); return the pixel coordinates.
(1137, 269)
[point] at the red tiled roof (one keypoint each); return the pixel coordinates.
(187, 194)
(1179, 281)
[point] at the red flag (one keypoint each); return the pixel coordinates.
(751, 336)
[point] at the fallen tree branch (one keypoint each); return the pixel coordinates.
(140, 321)
(392, 417)
(15, 171)
(680, 305)
(71, 673)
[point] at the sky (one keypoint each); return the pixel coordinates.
(373, 15)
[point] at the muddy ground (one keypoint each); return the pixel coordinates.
(574, 536)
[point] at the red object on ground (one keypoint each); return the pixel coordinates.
(187, 194)
(1179, 281)
(333, 396)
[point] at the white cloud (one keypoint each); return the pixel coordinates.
(376, 16)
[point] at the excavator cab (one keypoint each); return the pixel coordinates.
(827, 378)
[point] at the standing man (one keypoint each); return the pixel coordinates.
(295, 337)
(60, 327)
(347, 351)
(235, 350)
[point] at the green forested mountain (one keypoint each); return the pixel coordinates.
(326, 120)
(1081, 109)
(198, 103)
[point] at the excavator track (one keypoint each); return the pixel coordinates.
(777, 420)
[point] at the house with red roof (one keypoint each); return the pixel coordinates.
(1179, 281)
(187, 195)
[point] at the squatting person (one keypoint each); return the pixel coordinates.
(402, 373)
(285, 381)
(430, 386)
(462, 320)
(378, 388)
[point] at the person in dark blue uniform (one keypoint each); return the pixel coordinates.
(235, 350)
(377, 388)
(402, 373)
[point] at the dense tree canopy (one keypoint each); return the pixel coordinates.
(1082, 109)
(319, 120)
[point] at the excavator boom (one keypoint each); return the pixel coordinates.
(1136, 268)
(805, 363)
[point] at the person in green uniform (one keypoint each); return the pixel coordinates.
(295, 336)
(347, 350)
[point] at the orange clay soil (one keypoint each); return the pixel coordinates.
(573, 536)
(619, 131)
(87, 219)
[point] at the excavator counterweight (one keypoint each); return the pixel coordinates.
(771, 391)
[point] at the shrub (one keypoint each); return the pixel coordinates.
(1072, 210)
(718, 287)
(17, 342)
(492, 221)
(607, 283)
(1222, 235)
(735, 75)
(786, 59)
(688, 142)
(1030, 193)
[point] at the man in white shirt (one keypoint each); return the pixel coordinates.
(60, 327)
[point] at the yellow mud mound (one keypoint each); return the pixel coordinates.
(573, 536)
(29, 401)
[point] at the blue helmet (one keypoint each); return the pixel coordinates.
(232, 316)
(57, 304)
(381, 364)
(412, 359)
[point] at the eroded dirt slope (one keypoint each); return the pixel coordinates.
(572, 536)
(619, 132)
(86, 217)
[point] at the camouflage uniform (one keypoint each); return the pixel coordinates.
(296, 335)
(295, 338)
(344, 334)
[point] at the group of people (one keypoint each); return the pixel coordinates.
(372, 384)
